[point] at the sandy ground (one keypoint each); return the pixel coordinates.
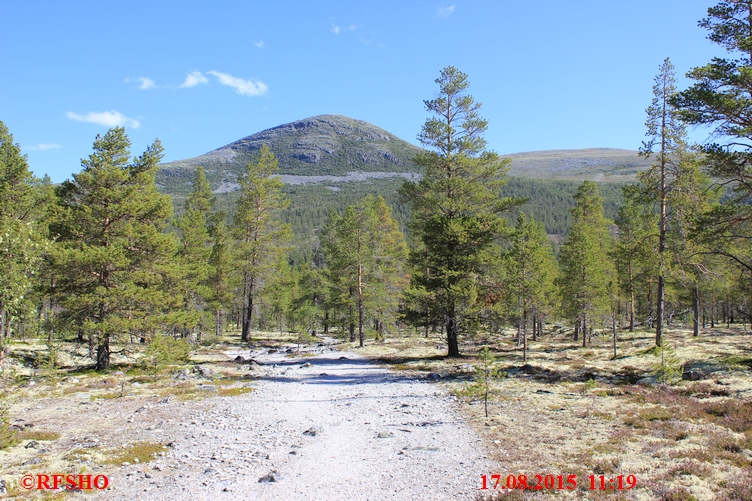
(328, 427)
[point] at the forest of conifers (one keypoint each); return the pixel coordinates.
(103, 259)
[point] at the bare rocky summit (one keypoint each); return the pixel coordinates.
(321, 145)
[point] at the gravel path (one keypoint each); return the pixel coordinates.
(329, 427)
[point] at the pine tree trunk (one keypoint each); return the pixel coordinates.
(218, 322)
(245, 314)
(453, 349)
(631, 313)
(524, 342)
(613, 331)
(659, 312)
(361, 333)
(103, 353)
(584, 331)
(577, 330)
(247, 317)
(696, 309)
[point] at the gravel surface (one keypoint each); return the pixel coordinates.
(326, 427)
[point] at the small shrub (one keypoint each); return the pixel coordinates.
(8, 436)
(670, 367)
(164, 351)
(484, 373)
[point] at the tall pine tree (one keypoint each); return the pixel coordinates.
(366, 253)
(457, 205)
(22, 238)
(260, 234)
(719, 100)
(586, 266)
(193, 256)
(531, 272)
(667, 140)
(110, 245)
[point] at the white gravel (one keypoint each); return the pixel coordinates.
(330, 427)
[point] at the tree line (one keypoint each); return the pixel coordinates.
(101, 257)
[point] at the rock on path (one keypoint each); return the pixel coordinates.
(331, 427)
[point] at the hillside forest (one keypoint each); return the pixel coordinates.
(106, 258)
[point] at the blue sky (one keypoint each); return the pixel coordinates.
(551, 74)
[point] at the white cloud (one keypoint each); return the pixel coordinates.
(43, 147)
(243, 87)
(193, 79)
(445, 11)
(337, 29)
(259, 44)
(110, 118)
(145, 83)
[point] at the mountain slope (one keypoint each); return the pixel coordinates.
(323, 145)
(594, 164)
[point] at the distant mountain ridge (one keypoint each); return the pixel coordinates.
(324, 145)
(595, 164)
(335, 148)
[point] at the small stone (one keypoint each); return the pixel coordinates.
(695, 375)
(270, 477)
(203, 371)
(33, 444)
(385, 434)
(307, 364)
(312, 431)
(240, 360)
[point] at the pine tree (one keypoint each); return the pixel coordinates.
(531, 271)
(585, 262)
(388, 276)
(262, 237)
(193, 254)
(720, 101)
(22, 239)
(220, 272)
(634, 251)
(110, 245)
(457, 205)
(667, 139)
(365, 254)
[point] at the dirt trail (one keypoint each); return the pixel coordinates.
(328, 427)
